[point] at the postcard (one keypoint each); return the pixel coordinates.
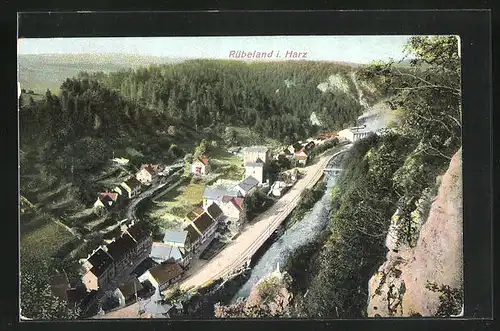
(240, 177)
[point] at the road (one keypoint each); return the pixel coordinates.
(132, 207)
(239, 251)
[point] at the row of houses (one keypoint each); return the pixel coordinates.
(130, 187)
(119, 256)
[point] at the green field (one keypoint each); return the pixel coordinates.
(39, 243)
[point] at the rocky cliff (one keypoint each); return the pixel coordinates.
(425, 280)
(270, 297)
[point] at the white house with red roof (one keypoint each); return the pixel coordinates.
(106, 199)
(231, 206)
(148, 172)
(199, 167)
(302, 155)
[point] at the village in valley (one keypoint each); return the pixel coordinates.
(132, 266)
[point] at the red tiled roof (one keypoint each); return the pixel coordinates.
(238, 202)
(105, 196)
(301, 150)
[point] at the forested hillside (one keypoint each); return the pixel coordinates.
(383, 198)
(274, 99)
(149, 115)
(389, 180)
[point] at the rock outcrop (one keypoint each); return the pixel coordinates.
(425, 280)
(270, 297)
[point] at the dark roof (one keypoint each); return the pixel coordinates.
(203, 222)
(132, 182)
(139, 231)
(214, 210)
(127, 289)
(100, 261)
(163, 273)
(248, 183)
(192, 234)
(118, 248)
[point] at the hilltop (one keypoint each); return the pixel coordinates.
(39, 72)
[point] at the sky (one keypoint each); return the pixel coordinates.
(355, 49)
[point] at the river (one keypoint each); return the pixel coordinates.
(299, 234)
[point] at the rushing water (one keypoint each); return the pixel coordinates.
(299, 234)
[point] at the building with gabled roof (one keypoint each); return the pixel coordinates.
(99, 271)
(232, 206)
(247, 185)
(200, 166)
(163, 275)
(175, 238)
(214, 211)
(106, 199)
(128, 291)
(120, 255)
(162, 252)
(252, 154)
(132, 186)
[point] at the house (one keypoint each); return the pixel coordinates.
(175, 238)
(117, 257)
(122, 252)
(59, 285)
(105, 199)
(200, 166)
(232, 206)
(301, 156)
(128, 292)
(205, 226)
(100, 270)
(192, 238)
(132, 186)
(252, 154)
(309, 146)
(145, 175)
(162, 252)
(292, 149)
(141, 235)
(148, 172)
(216, 193)
(163, 275)
(355, 133)
(215, 212)
(255, 169)
(201, 226)
(247, 186)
